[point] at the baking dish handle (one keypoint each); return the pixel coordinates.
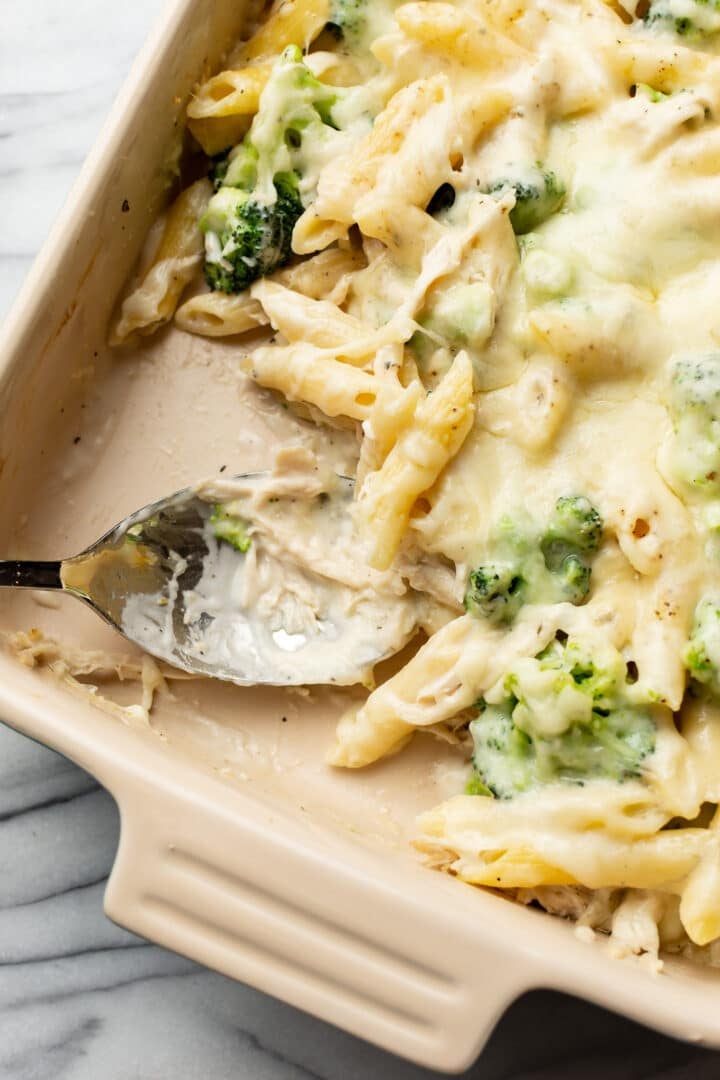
(199, 878)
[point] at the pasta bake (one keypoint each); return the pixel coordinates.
(482, 238)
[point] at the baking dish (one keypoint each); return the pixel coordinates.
(238, 848)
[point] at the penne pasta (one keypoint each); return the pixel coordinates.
(216, 314)
(221, 109)
(439, 427)
(300, 318)
(304, 373)
(175, 263)
(290, 22)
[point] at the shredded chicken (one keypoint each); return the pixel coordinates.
(71, 664)
(637, 922)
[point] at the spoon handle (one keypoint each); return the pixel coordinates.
(24, 574)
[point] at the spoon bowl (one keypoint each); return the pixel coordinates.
(164, 579)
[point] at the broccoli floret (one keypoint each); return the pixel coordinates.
(248, 239)
(702, 653)
(249, 221)
(574, 523)
(695, 410)
(358, 22)
(573, 533)
(495, 592)
(303, 93)
(567, 717)
(545, 568)
(691, 19)
(475, 786)
(463, 316)
(573, 578)
(503, 756)
(348, 19)
(218, 170)
(538, 195)
(230, 528)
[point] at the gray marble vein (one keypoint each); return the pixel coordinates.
(82, 999)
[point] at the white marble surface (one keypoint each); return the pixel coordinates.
(81, 999)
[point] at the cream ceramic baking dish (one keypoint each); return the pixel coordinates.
(238, 847)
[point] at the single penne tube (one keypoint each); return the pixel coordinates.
(491, 848)
(407, 231)
(175, 263)
(313, 233)
(630, 812)
(217, 314)
(230, 93)
(444, 27)
(440, 426)
(360, 351)
(218, 133)
(336, 69)
(221, 110)
(325, 275)
(290, 22)
(300, 318)
(385, 722)
(304, 373)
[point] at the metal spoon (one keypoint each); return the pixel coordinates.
(140, 575)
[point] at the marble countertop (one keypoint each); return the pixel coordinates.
(81, 999)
